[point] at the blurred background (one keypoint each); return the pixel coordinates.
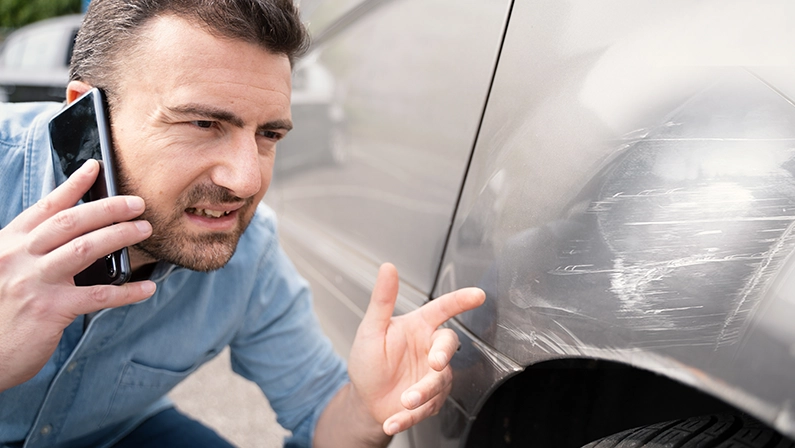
(36, 38)
(18, 13)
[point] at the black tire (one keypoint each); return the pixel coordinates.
(712, 431)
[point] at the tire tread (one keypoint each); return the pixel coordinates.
(713, 431)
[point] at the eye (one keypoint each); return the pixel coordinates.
(204, 124)
(272, 135)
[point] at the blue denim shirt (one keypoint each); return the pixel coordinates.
(101, 383)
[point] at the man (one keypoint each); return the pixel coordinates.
(199, 95)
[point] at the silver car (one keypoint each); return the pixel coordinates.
(617, 175)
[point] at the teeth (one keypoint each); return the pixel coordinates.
(207, 213)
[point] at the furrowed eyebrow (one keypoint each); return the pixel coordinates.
(284, 125)
(208, 112)
(217, 114)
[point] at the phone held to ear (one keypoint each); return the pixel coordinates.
(80, 132)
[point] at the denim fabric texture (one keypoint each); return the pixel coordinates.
(100, 384)
(172, 429)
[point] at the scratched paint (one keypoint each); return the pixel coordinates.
(620, 208)
(695, 229)
(671, 243)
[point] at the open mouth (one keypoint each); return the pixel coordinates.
(207, 213)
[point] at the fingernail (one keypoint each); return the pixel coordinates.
(148, 287)
(441, 358)
(135, 203)
(393, 428)
(413, 399)
(86, 163)
(143, 226)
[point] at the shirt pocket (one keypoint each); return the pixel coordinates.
(140, 386)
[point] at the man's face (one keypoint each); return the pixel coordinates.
(195, 124)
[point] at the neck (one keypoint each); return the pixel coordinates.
(139, 261)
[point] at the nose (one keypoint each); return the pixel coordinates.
(239, 167)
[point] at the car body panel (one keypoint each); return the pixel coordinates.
(631, 196)
(376, 87)
(401, 176)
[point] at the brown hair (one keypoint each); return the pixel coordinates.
(111, 27)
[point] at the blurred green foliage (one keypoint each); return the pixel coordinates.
(16, 13)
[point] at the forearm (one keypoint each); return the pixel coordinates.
(347, 422)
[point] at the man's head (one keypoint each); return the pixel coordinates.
(112, 28)
(196, 110)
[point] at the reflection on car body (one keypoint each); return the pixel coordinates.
(314, 104)
(619, 180)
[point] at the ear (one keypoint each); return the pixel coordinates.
(74, 89)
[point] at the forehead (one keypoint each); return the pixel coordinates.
(177, 60)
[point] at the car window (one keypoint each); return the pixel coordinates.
(40, 49)
(14, 52)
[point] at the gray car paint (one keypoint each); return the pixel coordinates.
(629, 198)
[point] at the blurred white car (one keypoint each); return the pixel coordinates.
(34, 60)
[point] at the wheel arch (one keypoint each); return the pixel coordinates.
(570, 402)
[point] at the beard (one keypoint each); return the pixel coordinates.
(172, 243)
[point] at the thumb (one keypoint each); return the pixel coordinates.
(382, 301)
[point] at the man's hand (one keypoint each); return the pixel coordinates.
(399, 366)
(40, 252)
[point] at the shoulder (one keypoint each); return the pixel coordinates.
(261, 234)
(25, 156)
(265, 219)
(21, 122)
(258, 247)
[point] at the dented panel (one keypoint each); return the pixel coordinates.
(632, 197)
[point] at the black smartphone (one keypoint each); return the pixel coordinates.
(80, 132)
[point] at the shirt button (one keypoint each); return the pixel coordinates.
(46, 429)
(71, 366)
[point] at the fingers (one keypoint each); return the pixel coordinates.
(439, 379)
(94, 298)
(444, 345)
(382, 302)
(426, 388)
(440, 310)
(69, 224)
(427, 396)
(78, 254)
(410, 417)
(63, 197)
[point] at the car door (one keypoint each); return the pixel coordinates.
(386, 107)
